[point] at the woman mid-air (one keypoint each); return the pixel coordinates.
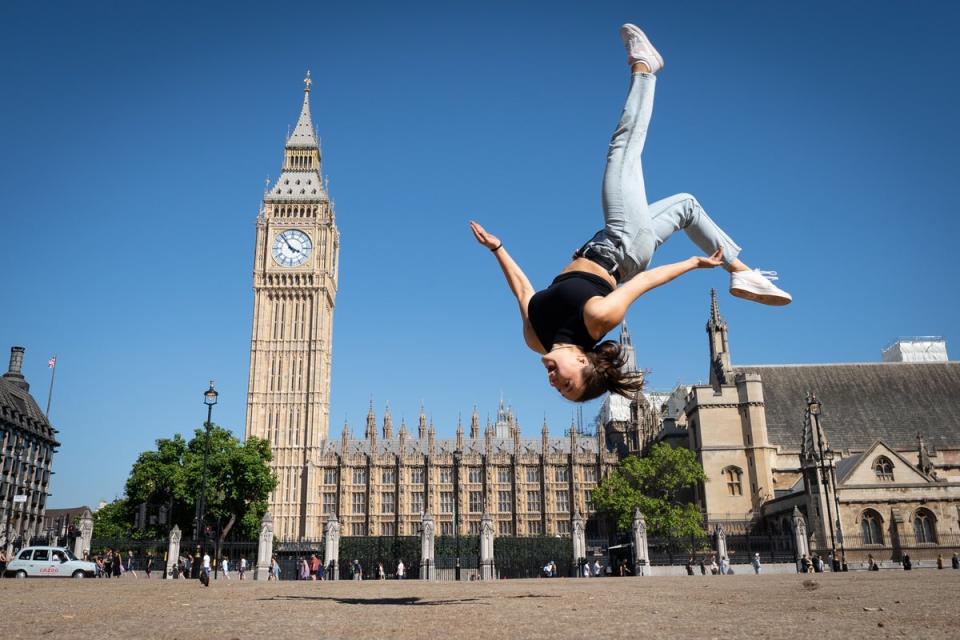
(565, 321)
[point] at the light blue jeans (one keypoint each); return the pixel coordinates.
(633, 229)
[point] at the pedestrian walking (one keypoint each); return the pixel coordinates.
(130, 568)
(243, 566)
(274, 570)
(117, 564)
(597, 569)
(585, 571)
(724, 566)
(314, 566)
(321, 572)
(401, 570)
(955, 561)
(714, 567)
(690, 571)
(304, 569)
(148, 567)
(357, 570)
(756, 563)
(381, 574)
(205, 570)
(703, 567)
(805, 564)
(226, 567)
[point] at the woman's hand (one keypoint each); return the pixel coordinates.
(485, 238)
(708, 262)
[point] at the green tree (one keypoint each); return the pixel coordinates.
(238, 481)
(112, 520)
(158, 478)
(661, 485)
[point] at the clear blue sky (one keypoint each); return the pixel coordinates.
(135, 140)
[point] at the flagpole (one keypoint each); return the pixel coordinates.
(53, 375)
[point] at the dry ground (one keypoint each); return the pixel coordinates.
(918, 604)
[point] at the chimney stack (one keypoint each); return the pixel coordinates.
(15, 372)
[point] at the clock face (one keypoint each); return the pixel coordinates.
(291, 248)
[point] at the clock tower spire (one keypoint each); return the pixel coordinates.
(294, 294)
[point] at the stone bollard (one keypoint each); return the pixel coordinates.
(721, 544)
(331, 549)
(82, 544)
(579, 543)
(427, 570)
(173, 552)
(641, 552)
(488, 569)
(264, 548)
(800, 540)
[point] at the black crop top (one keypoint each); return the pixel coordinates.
(556, 313)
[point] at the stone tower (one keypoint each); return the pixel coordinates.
(295, 290)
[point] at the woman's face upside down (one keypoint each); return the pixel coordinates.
(564, 367)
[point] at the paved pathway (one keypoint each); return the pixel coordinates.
(918, 604)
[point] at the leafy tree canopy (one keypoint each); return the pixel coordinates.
(661, 485)
(238, 480)
(112, 520)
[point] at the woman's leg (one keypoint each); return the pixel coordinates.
(683, 211)
(625, 213)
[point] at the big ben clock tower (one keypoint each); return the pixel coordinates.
(295, 290)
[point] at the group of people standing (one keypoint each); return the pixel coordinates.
(312, 569)
(113, 564)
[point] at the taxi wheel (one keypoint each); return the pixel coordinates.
(21, 574)
(79, 575)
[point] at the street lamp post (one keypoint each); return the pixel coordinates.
(209, 399)
(814, 407)
(457, 455)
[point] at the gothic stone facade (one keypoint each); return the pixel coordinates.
(295, 288)
(893, 430)
(27, 444)
(384, 483)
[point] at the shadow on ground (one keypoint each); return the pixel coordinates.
(398, 602)
(395, 602)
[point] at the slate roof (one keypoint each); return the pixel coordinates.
(891, 401)
(18, 408)
(303, 136)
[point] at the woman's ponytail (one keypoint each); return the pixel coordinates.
(605, 373)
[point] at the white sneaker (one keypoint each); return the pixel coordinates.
(639, 48)
(758, 286)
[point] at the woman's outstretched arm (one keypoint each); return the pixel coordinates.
(516, 279)
(601, 314)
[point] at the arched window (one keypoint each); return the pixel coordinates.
(924, 527)
(870, 527)
(883, 468)
(734, 485)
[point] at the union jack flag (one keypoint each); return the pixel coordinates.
(52, 362)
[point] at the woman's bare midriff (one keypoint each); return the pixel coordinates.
(582, 264)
